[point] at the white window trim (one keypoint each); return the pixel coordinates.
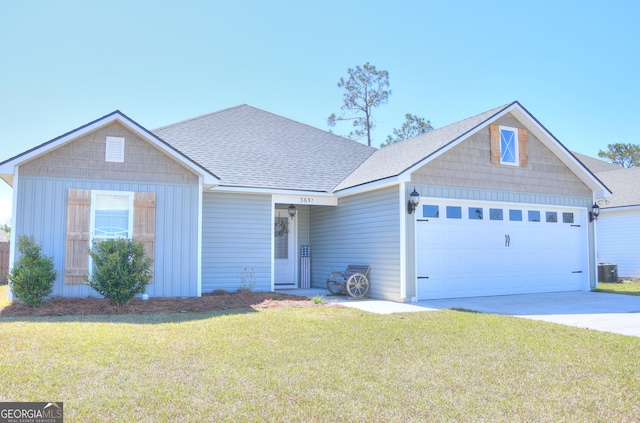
(92, 218)
(516, 151)
(95, 193)
(114, 150)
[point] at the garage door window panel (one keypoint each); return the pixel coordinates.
(496, 214)
(515, 215)
(454, 212)
(534, 216)
(552, 217)
(475, 213)
(567, 218)
(432, 211)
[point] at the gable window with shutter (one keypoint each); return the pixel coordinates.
(99, 215)
(509, 145)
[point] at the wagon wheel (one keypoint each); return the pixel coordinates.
(358, 285)
(335, 283)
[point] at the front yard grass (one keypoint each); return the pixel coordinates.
(319, 365)
(629, 288)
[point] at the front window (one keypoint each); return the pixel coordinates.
(111, 215)
(508, 146)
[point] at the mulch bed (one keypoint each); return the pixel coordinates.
(62, 306)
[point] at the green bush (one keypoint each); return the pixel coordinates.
(120, 269)
(33, 275)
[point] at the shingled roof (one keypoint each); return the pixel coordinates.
(252, 148)
(395, 159)
(625, 184)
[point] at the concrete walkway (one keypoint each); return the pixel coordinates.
(592, 310)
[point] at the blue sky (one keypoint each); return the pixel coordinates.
(573, 64)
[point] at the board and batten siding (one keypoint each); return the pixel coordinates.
(236, 241)
(362, 229)
(618, 234)
(42, 202)
(85, 158)
(468, 165)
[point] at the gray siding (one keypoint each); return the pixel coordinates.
(43, 202)
(362, 229)
(468, 165)
(237, 235)
(85, 158)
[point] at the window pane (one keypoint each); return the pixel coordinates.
(111, 218)
(508, 146)
(495, 214)
(534, 216)
(282, 237)
(111, 224)
(475, 213)
(454, 212)
(552, 217)
(567, 217)
(515, 215)
(430, 211)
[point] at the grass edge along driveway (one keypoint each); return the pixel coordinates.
(318, 365)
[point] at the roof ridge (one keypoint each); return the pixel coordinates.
(181, 122)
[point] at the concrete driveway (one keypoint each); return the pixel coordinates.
(592, 310)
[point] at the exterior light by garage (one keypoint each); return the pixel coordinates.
(292, 211)
(414, 200)
(594, 213)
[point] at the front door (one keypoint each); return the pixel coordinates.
(285, 257)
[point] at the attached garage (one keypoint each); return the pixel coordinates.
(467, 249)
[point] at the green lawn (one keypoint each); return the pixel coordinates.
(631, 288)
(319, 365)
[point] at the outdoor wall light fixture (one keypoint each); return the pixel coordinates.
(594, 213)
(292, 211)
(414, 200)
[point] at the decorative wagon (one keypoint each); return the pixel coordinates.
(354, 281)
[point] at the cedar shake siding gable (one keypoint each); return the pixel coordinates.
(471, 164)
(85, 158)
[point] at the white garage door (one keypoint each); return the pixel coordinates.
(479, 249)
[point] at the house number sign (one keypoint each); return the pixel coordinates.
(309, 200)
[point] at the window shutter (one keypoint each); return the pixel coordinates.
(523, 147)
(77, 241)
(494, 134)
(144, 222)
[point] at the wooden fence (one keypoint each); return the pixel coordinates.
(4, 262)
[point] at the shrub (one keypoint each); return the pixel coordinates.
(120, 269)
(318, 299)
(33, 275)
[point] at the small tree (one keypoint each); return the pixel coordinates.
(120, 269)
(412, 127)
(33, 275)
(6, 228)
(366, 89)
(626, 155)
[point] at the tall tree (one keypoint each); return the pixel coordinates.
(365, 89)
(412, 126)
(626, 155)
